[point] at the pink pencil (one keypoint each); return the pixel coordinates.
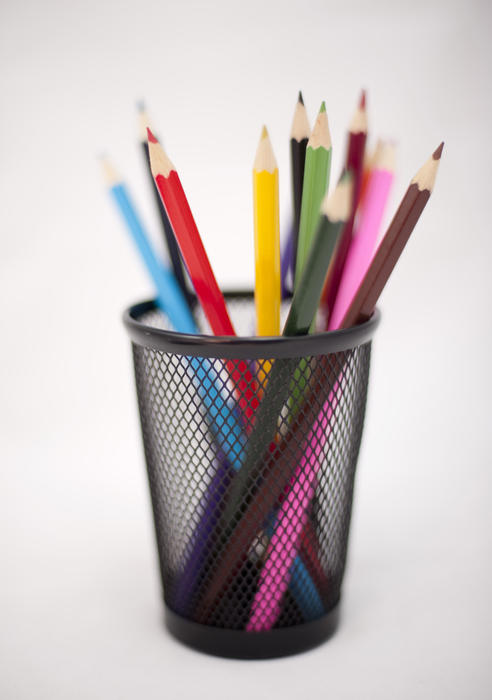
(364, 240)
(292, 516)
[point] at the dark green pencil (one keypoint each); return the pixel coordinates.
(335, 211)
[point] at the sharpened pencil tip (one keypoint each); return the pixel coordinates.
(141, 105)
(362, 101)
(264, 133)
(323, 107)
(151, 137)
(110, 174)
(299, 98)
(437, 153)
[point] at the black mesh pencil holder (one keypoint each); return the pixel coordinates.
(251, 446)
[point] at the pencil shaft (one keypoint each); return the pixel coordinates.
(168, 290)
(363, 243)
(172, 246)
(354, 164)
(315, 185)
(267, 252)
(308, 291)
(298, 162)
(194, 254)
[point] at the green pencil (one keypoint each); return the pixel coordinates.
(335, 212)
(315, 186)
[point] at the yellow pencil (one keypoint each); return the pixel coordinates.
(267, 238)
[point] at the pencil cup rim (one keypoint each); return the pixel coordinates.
(244, 347)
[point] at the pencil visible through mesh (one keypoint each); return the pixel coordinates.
(276, 556)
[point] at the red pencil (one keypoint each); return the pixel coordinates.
(198, 265)
(354, 162)
(189, 240)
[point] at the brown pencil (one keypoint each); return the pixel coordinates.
(393, 243)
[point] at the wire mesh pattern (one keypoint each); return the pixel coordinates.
(252, 521)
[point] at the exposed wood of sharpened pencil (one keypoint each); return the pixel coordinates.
(299, 138)
(172, 246)
(393, 243)
(354, 163)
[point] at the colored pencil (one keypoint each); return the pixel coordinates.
(172, 247)
(354, 163)
(315, 185)
(369, 221)
(389, 250)
(299, 137)
(220, 409)
(267, 238)
(336, 209)
(169, 293)
(190, 243)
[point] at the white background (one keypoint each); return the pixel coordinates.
(80, 608)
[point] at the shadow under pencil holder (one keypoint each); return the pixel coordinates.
(251, 515)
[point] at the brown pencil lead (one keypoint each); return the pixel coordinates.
(437, 153)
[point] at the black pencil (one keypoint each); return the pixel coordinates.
(299, 137)
(172, 246)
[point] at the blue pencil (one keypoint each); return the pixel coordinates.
(221, 413)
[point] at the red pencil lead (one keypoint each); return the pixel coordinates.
(362, 101)
(151, 137)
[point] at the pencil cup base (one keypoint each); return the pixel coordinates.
(237, 644)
